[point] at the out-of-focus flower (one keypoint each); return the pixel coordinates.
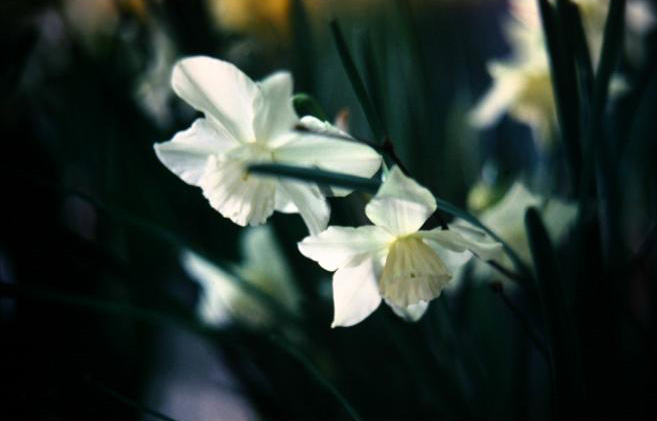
(263, 268)
(507, 219)
(640, 18)
(247, 122)
(154, 91)
(523, 89)
(96, 22)
(525, 30)
(522, 85)
(392, 259)
(267, 20)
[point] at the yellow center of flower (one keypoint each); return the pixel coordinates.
(412, 272)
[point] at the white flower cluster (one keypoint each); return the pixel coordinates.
(246, 122)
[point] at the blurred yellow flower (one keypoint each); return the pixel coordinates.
(268, 20)
(522, 85)
(96, 21)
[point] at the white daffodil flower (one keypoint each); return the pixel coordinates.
(507, 219)
(264, 267)
(392, 259)
(247, 122)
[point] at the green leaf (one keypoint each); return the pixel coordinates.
(560, 330)
(304, 104)
(564, 83)
(572, 22)
(373, 119)
(598, 152)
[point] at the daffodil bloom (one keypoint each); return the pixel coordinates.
(392, 259)
(222, 298)
(247, 122)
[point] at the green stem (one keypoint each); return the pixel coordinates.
(317, 375)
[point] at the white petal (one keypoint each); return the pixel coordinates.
(453, 260)
(187, 153)
(217, 288)
(274, 114)
(336, 246)
(310, 150)
(242, 198)
(412, 313)
(485, 248)
(401, 205)
(283, 202)
(355, 294)
(310, 202)
(220, 90)
(510, 210)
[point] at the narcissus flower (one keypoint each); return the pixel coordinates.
(247, 122)
(392, 259)
(264, 268)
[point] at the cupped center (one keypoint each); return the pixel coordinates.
(413, 272)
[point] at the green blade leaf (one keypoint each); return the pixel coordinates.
(564, 82)
(366, 104)
(598, 153)
(560, 330)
